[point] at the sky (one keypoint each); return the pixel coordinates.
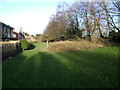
(32, 15)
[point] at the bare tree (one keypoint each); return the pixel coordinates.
(110, 11)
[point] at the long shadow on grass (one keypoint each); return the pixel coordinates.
(39, 71)
(100, 68)
(50, 71)
(11, 71)
(55, 70)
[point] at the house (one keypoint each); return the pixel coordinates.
(21, 35)
(29, 38)
(6, 32)
(16, 35)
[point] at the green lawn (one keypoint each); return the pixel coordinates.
(84, 69)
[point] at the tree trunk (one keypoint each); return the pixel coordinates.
(98, 25)
(108, 23)
(89, 38)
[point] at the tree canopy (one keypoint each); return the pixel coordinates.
(82, 19)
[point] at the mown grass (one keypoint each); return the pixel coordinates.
(96, 68)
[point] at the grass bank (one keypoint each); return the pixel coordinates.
(62, 46)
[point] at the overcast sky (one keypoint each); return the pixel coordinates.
(32, 15)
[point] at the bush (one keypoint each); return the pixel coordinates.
(115, 36)
(35, 41)
(31, 45)
(24, 44)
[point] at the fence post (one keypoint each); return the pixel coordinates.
(47, 43)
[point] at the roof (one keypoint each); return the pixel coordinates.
(6, 25)
(28, 37)
(21, 34)
(15, 31)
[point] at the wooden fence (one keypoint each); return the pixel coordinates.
(0, 52)
(10, 49)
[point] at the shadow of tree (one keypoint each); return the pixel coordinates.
(31, 46)
(101, 68)
(60, 70)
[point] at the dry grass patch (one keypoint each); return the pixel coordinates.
(72, 46)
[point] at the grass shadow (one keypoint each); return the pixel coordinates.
(84, 69)
(101, 68)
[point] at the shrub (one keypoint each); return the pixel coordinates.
(31, 45)
(35, 41)
(24, 44)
